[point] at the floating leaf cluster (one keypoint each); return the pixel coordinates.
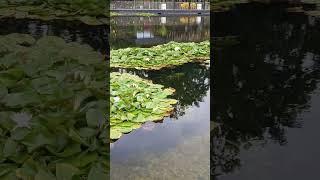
(135, 101)
(157, 57)
(53, 105)
(225, 5)
(91, 12)
(114, 14)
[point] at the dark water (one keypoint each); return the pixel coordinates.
(149, 31)
(266, 95)
(70, 31)
(177, 147)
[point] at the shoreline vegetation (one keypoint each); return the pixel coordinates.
(90, 12)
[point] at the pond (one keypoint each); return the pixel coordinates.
(46, 85)
(266, 95)
(150, 31)
(178, 146)
(70, 31)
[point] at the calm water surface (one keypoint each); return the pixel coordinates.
(149, 31)
(266, 95)
(70, 31)
(177, 147)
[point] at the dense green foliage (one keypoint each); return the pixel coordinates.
(225, 5)
(92, 12)
(135, 101)
(115, 14)
(92, 7)
(53, 110)
(157, 57)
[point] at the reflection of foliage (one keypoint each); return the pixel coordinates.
(191, 82)
(163, 31)
(224, 154)
(53, 110)
(124, 29)
(220, 42)
(135, 101)
(262, 87)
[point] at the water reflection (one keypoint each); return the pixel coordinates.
(148, 150)
(177, 146)
(73, 31)
(262, 85)
(191, 82)
(149, 31)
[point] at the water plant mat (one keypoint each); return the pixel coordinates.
(53, 105)
(91, 12)
(161, 56)
(134, 101)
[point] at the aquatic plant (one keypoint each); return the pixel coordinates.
(157, 57)
(53, 118)
(135, 101)
(145, 14)
(225, 5)
(115, 14)
(91, 12)
(112, 14)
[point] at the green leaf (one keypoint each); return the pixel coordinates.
(21, 99)
(3, 91)
(95, 118)
(87, 132)
(43, 175)
(98, 172)
(65, 171)
(19, 133)
(10, 148)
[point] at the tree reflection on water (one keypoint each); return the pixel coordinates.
(264, 83)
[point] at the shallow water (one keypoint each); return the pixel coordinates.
(178, 146)
(266, 96)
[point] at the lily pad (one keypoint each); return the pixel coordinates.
(134, 101)
(53, 113)
(86, 11)
(161, 56)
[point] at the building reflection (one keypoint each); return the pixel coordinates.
(149, 31)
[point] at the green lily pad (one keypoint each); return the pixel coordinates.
(161, 56)
(88, 12)
(134, 101)
(53, 109)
